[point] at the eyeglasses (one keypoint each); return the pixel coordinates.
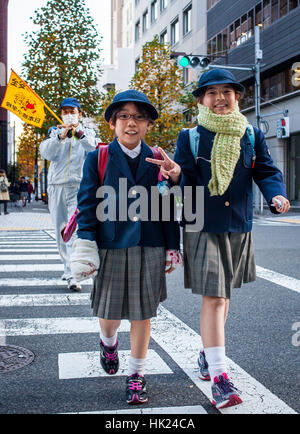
(137, 117)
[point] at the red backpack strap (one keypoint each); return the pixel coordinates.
(102, 161)
(157, 155)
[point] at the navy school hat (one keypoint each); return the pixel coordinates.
(217, 76)
(130, 96)
(70, 102)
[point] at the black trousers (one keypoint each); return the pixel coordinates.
(4, 204)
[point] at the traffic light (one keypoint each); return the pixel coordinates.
(283, 128)
(193, 62)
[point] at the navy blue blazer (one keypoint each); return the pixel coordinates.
(233, 211)
(122, 234)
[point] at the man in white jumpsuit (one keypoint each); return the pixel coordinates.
(66, 147)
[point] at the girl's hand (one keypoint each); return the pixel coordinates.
(168, 167)
(280, 200)
(173, 258)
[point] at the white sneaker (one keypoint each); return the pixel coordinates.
(73, 285)
(64, 277)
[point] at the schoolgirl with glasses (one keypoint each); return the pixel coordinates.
(130, 256)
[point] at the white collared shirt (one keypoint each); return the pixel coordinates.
(132, 153)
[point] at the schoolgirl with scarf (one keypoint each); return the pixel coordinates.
(220, 257)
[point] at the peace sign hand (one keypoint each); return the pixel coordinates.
(168, 167)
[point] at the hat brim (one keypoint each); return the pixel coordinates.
(152, 110)
(235, 84)
(70, 105)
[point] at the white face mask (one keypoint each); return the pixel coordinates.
(70, 119)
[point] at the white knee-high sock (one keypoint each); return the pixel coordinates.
(215, 357)
(136, 366)
(108, 342)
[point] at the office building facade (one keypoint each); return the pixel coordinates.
(230, 39)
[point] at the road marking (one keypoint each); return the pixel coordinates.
(278, 278)
(26, 300)
(38, 282)
(52, 326)
(28, 243)
(182, 345)
(15, 229)
(29, 268)
(178, 340)
(4, 251)
(191, 409)
(30, 257)
(24, 237)
(87, 365)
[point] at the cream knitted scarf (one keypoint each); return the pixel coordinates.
(225, 153)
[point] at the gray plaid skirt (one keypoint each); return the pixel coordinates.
(130, 284)
(217, 263)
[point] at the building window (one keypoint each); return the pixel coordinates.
(187, 20)
(163, 37)
(238, 32)
(137, 31)
(175, 32)
(250, 24)
(232, 43)
(293, 4)
(137, 2)
(154, 11)
(258, 14)
(275, 10)
(224, 40)
(163, 5)
(244, 28)
(211, 3)
(283, 8)
(145, 21)
(266, 13)
(187, 76)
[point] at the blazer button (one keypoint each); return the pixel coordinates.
(227, 203)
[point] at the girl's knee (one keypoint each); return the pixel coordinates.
(214, 303)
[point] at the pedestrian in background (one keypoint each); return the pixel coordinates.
(4, 190)
(15, 192)
(23, 190)
(131, 280)
(30, 191)
(66, 147)
(221, 256)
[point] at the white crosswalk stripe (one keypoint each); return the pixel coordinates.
(168, 332)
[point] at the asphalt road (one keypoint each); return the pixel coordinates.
(262, 344)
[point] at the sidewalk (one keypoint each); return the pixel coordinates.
(35, 216)
(290, 217)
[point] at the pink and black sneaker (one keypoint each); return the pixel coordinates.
(109, 358)
(136, 389)
(224, 393)
(203, 367)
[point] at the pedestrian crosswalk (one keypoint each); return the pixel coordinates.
(276, 221)
(176, 344)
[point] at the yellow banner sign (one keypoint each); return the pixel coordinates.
(21, 100)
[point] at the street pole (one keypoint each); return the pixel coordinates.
(258, 199)
(36, 171)
(14, 152)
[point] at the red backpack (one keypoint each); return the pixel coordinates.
(70, 228)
